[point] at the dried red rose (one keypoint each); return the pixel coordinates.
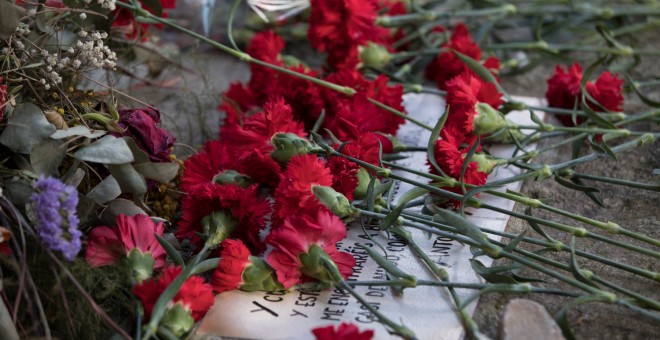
(124, 22)
(143, 126)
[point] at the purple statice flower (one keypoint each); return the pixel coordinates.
(55, 207)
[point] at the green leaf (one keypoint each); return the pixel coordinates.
(172, 253)
(129, 179)
(18, 191)
(140, 155)
(493, 274)
(105, 191)
(26, 127)
(160, 172)
(78, 130)
(10, 16)
(107, 150)
(430, 147)
(47, 156)
(467, 228)
(119, 206)
(392, 217)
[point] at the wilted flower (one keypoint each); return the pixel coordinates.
(3, 98)
(142, 126)
(55, 208)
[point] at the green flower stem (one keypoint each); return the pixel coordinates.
(500, 252)
(400, 330)
(618, 116)
(640, 117)
(555, 245)
(533, 153)
(652, 23)
(605, 12)
(247, 58)
(569, 173)
(544, 46)
(550, 128)
(641, 140)
(399, 113)
(478, 286)
(160, 307)
(97, 117)
(431, 16)
(579, 232)
(471, 327)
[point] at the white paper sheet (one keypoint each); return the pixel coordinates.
(426, 310)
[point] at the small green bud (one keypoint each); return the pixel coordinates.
(318, 264)
(486, 163)
(142, 264)
(259, 276)
(288, 145)
(362, 188)
(217, 227)
(335, 201)
(487, 120)
(374, 55)
(178, 320)
(232, 177)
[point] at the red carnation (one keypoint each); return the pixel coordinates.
(349, 117)
(265, 46)
(245, 206)
(564, 91)
(337, 23)
(303, 96)
(124, 22)
(464, 93)
(295, 237)
(447, 65)
(195, 295)
(294, 193)
(235, 256)
(344, 176)
(450, 152)
(200, 168)
(108, 245)
(252, 141)
(345, 331)
(236, 102)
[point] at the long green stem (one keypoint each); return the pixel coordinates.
(400, 330)
(556, 245)
(463, 285)
(442, 274)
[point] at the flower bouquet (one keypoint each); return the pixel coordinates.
(106, 233)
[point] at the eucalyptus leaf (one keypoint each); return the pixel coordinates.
(128, 178)
(10, 16)
(78, 130)
(119, 206)
(138, 154)
(26, 127)
(47, 156)
(107, 150)
(105, 191)
(18, 191)
(159, 172)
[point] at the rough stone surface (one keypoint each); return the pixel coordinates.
(525, 319)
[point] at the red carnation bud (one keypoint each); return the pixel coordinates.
(238, 270)
(472, 105)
